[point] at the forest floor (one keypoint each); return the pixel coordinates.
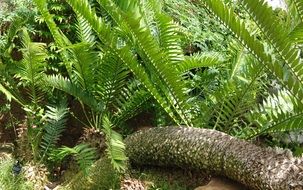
(12, 123)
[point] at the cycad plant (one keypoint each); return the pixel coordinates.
(127, 53)
(276, 50)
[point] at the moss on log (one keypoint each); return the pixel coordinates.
(218, 153)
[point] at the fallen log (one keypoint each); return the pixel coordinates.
(217, 153)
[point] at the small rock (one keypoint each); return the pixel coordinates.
(218, 183)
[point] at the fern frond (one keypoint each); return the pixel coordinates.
(84, 31)
(129, 103)
(67, 86)
(55, 125)
(83, 60)
(198, 61)
(228, 18)
(278, 113)
(83, 153)
(238, 95)
(153, 56)
(57, 34)
(12, 95)
(15, 26)
(32, 67)
(115, 146)
(296, 35)
(111, 78)
(169, 38)
(299, 7)
(276, 35)
(124, 54)
(60, 39)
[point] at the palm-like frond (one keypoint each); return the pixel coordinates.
(111, 78)
(15, 26)
(84, 31)
(83, 60)
(83, 153)
(60, 39)
(229, 19)
(124, 54)
(285, 63)
(130, 103)
(276, 34)
(296, 35)
(278, 113)
(169, 39)
(115, 146)
(154, 57)
(197, 61)
(67, 86)
(299, 7)
(32, 67)
(55, 125)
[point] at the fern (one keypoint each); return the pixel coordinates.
(82, 61)
(31, 69)
(299, 7)
(153, 56)
(130, 103)
(84, 31)
(276, 35)
(198, 61)
(227, 17)
(55, 125)
(115, 146)
(83, 154)
(278, 113)
(112, 76)
(285, 64)
(67, 86)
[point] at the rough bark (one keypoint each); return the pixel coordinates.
(218, 153)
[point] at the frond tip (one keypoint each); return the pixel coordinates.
(115, 146)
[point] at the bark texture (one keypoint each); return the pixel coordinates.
(218, 153)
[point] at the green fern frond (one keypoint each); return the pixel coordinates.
(83, 60)
(83, 153)
(12, 95)
(278, 113)
(111, 78)
(155, 58)
(115, 146)
(296, 35)
(60, 39)
(299, 7)
(169, 38)
(32, 67)
(290, 79)
(276, 35)
(15, 26)
(238, 95)
(57, 34)
(55, 125)
(67, 86)
(124, 54)
(198, 61)
(130, 103)
(84, 31)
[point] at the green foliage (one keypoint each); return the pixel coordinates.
(83, 154)
(101, 176)
(115, 146)
(9, 181)
(284, 61)
(55, 125)
(203, 33)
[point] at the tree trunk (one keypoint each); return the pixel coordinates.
(217, 153)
